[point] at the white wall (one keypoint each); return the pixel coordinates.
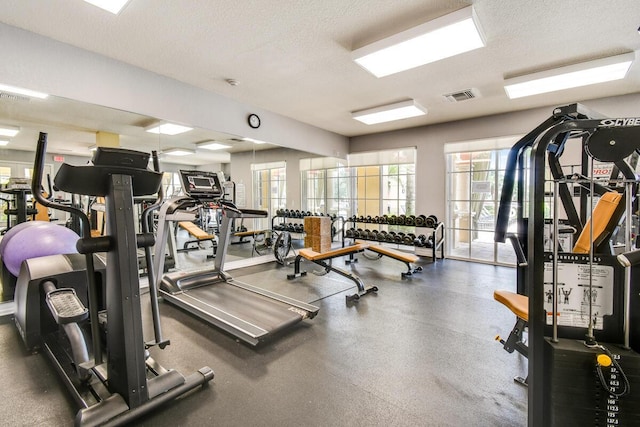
(430, 140)
(39, 63)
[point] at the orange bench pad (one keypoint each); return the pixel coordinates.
(195, 231)
(312, 255)
(518, 304)
(402, 256)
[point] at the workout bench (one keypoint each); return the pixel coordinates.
(199, 235)
(323, 259)
(407, 259)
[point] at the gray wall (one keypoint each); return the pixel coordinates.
(430, 140)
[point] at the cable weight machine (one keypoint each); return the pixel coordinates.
(584, 368)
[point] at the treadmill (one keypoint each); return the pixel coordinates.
(250, 313)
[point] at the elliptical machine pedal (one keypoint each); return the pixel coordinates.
(65, 306)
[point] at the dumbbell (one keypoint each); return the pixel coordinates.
(407, 239)
(429, 242)
(382, 236)
(349, 232)
(420, 220)
(431, 221)
(410, 220)
(392, 220)
(400, 220)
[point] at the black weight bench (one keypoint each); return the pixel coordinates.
(407, 259)
(323, 259)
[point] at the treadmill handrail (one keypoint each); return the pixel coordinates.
(232, 211)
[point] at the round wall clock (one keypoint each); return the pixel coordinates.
(254, 121)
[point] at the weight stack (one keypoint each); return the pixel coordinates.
(574, 394)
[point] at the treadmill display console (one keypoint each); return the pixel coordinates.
(200, 184)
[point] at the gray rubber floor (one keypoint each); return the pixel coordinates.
(419, 353)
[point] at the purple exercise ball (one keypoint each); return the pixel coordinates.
(14, 230)
(37, 241)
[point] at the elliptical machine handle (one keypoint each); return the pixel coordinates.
(151, 274)
(36, 187)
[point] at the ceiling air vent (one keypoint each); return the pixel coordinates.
(14, 97)
(462, 95)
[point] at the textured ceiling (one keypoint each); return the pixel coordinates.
(292, 57)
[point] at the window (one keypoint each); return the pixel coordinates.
(20, 170)
(171, 184)
(269, 190)
(368, 184)
(474, 185)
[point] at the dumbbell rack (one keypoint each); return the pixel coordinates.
(293, 222)
(400, 234)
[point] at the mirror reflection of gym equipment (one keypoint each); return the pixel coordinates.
(575, 302)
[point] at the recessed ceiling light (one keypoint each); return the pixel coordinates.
(447, 36)
(178, 152)
(168, 129)
(22, 91)
(212, 145)
(583, 74)
(391, 112)
(113, 6)
(10, 131)
(3, 142)
(255, 141)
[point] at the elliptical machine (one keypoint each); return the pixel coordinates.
(114, 380)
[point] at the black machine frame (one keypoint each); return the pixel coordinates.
(120, 382)
(605, 140)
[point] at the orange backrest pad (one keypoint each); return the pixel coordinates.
(601, 216)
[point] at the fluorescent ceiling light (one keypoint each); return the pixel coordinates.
(447, 36)
(388, 113)
(212, 145)
(178, 152)
(583, 74)
(21, 91)
(255, 141)
(113, 6)
(168, 129)
(4, 142)
(10, 131)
